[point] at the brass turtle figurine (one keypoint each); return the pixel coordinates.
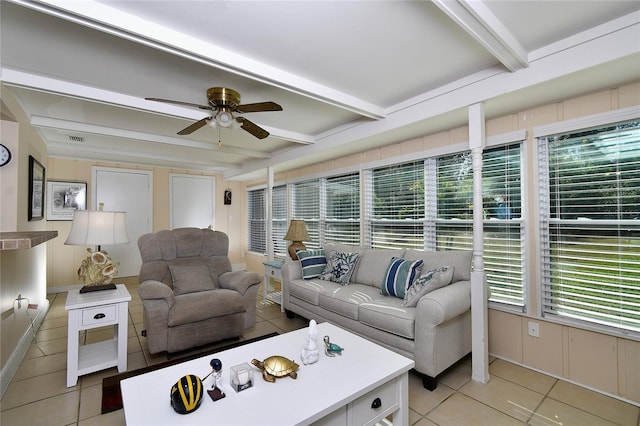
(276, 366)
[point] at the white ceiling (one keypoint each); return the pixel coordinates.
(350, 75)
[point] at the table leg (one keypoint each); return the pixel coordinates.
(72, 348)
(121, 332)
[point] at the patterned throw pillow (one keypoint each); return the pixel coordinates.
(399, 276)
(426, 283)
(339, 267)
(312, 262)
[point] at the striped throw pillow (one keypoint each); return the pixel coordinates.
(312, 262)
(399, 276)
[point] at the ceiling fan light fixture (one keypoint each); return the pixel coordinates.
(224, 119)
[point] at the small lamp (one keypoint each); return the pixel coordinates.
(297, 233)
(90, 227)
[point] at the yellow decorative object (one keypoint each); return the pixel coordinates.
(97, 268)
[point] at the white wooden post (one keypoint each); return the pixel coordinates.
(269, 209)
(479, 312)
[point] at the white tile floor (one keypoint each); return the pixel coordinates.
(38, 394)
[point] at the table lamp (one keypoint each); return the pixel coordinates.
(91, 227)
(297, 233)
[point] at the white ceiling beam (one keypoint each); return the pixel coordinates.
(43, 84)
(480, 23)
(73, 126)
(110, 20)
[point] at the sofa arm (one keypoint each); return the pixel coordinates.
(239, 281)
(152, 289)
(445, 303)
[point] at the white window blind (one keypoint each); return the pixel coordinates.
(305, 205)
(341, 219)
(502, 206)
(590, 225)
(257, 220)
(279, 220)
(395, 206)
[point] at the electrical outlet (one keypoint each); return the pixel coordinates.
(534, 329)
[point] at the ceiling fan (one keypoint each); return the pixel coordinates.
(224, 103)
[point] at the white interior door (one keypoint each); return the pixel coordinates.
(128, 191)
(191, 201)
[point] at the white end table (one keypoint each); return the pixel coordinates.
(272, 270)
(92, 310)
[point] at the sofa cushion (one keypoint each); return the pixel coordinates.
(203, 305)
(310, 290)
(426, 283)
(339, 267)
(345, 300)
(387, 314)
(372, 265)
(399, 276)
(312, 262)
(189, 279)
(459, 259)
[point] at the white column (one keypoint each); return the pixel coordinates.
(479, 312)
(269, 209)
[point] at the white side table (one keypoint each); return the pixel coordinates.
(273, 270)
(92, 310)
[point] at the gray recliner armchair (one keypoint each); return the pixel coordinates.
(189, 293)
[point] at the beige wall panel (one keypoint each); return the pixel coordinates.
(505, 335)
(347, 161)
(544, 352)
(436, 140)
(390, 151)
(412, 146)
(593, 359)
(371, 155)
(629, 369)
(629, 96)
(458, 135)
(255, 262)
(504, 124)
(537, 116)
(587, 105)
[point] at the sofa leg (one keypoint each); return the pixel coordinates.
(289, 313)
(429, 383)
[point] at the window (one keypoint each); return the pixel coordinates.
(342, 209)
(305, 205)
(590, 225)
(395, 206)
(257, 214)
(502, 208)
(279, 220)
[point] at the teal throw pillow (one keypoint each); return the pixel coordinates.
(399, 276)
(312, 262)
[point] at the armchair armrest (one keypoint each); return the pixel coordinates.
(239, 281)
(445, 303)
(152, 289)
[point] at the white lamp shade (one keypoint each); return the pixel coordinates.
(92, 227)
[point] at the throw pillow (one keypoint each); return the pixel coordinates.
(399, 276)
(426, 283)
(339, 267)
(312, 262)
(190, 279)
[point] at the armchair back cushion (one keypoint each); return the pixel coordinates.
(184, 247)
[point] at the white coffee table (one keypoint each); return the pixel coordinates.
(334, 391)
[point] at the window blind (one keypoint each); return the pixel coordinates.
(279, 220)
(305, 205)
(590, 225)
(341, 221)
(503, 227)
(257, 220)
(395, 203)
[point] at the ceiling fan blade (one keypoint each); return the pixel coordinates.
(252, 128)
(257, 107)
(169, 101)
(195, 126)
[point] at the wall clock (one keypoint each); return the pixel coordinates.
(5, 155)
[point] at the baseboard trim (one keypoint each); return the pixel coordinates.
(13, 363)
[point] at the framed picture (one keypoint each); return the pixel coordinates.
(36, 189)
(63, 198)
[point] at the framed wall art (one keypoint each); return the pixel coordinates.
(36, 189)
(64, 197)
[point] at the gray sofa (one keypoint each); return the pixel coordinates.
(436, 333)
(189, 294)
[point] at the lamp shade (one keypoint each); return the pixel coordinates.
(92, 227)
(297, 231)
